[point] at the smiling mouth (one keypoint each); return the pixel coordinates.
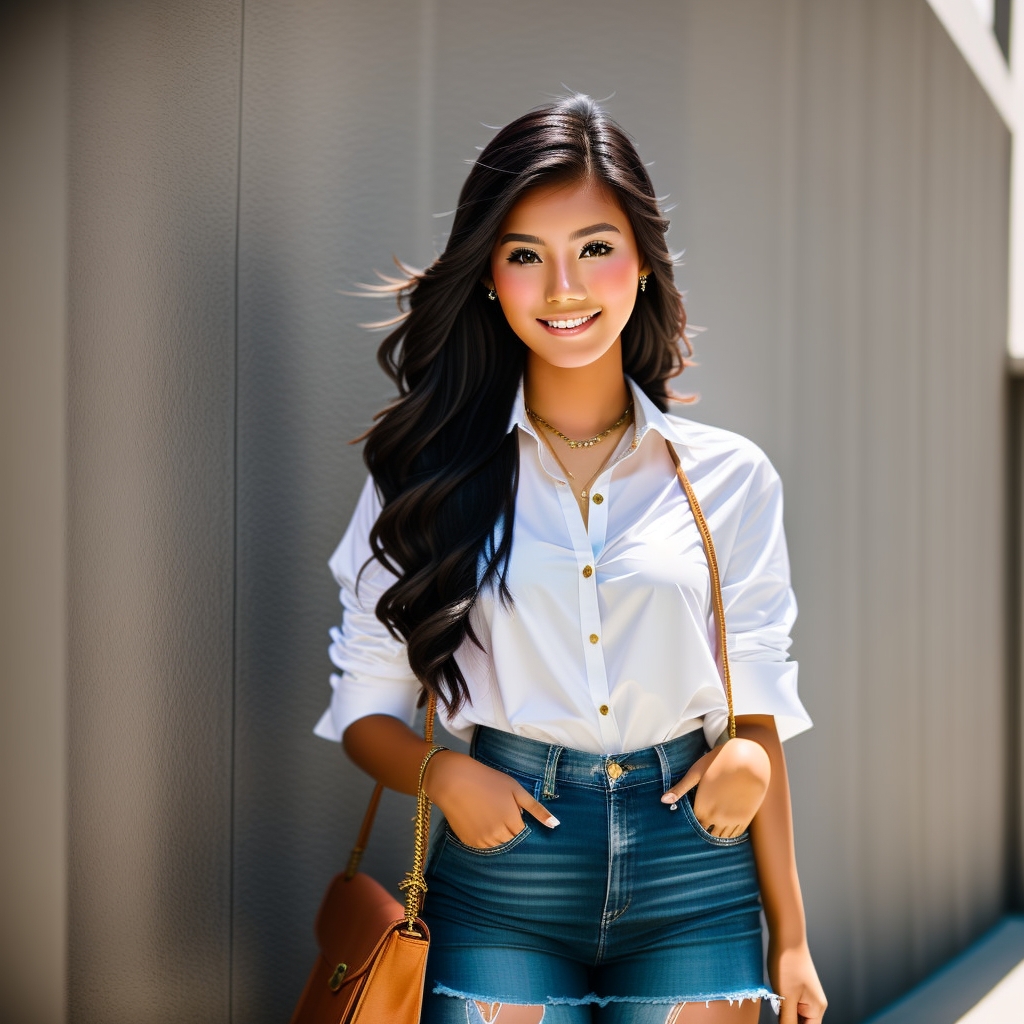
(567, 325)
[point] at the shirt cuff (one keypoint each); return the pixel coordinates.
(762, 688)
(357, 696)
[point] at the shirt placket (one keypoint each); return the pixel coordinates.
(587, 548)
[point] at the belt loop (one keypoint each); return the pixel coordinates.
(550, 770)
(666, 768)
(472, 741)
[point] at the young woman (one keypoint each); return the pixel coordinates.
(523, 548)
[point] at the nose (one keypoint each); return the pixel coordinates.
(564, 281)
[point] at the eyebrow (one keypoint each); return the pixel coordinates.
(592, 229)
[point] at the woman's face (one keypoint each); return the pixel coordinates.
(566, 269)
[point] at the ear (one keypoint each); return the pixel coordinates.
(645, 268)
(487, 282)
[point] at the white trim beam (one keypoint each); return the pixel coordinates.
(1015, 333)
(1005, 87)
(977, 43)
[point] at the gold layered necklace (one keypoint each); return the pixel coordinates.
(590, 441)
(583, 494)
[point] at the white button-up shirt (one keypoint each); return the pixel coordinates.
(610, 643)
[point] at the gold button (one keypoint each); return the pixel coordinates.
(598, 498)
(603, 709)
(593, 638)
(588, 571)
(614, 770)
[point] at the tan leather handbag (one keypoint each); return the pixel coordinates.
(373, 952)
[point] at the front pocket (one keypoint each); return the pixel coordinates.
(708, 837)
(490, 851)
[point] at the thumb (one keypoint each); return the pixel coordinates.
(536, 808)
(691, 778)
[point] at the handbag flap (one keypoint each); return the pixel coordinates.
(352, 918)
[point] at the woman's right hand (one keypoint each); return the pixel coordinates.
(482, 805)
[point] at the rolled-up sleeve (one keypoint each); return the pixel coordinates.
(760, 609)
(374, 677)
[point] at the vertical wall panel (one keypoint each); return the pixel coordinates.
(154, 140)
(329, 106)
(33, 297)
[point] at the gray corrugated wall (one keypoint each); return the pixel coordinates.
(151, 424)
(33, 302)
(840, 188)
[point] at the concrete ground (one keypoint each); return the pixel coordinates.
(984, 985)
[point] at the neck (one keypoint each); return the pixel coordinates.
(580, 401)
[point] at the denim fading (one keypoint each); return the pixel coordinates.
(626, 902)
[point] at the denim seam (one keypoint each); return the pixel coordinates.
(489, 851)
(666, 768)
(550, 773)
(607, 914)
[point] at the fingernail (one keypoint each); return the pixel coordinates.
(668, 798)
(551, 821)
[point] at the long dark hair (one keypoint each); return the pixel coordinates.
(445, 465)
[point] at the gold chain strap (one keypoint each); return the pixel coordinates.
(414, 885)
(716, 583)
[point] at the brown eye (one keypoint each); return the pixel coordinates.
(523, 256)
(596, 249)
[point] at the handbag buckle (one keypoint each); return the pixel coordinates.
(337, 977)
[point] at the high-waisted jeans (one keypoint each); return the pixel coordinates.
(626, 906)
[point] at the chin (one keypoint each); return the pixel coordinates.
(569, 358)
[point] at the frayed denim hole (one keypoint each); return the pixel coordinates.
(503, 1013)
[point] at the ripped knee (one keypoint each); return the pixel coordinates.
(715, 1012)
(507, 1013)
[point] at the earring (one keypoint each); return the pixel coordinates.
(491, 294)
(643, 282)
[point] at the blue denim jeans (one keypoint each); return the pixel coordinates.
(626, 906)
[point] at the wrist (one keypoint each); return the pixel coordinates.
(786, 935)
(436, 772)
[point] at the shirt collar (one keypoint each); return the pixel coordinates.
(647, 415)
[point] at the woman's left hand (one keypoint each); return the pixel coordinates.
(792, 974)
(731, 783)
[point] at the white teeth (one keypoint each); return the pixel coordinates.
(564, 324)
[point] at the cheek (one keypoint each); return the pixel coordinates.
(517, 291)
(614, 276)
